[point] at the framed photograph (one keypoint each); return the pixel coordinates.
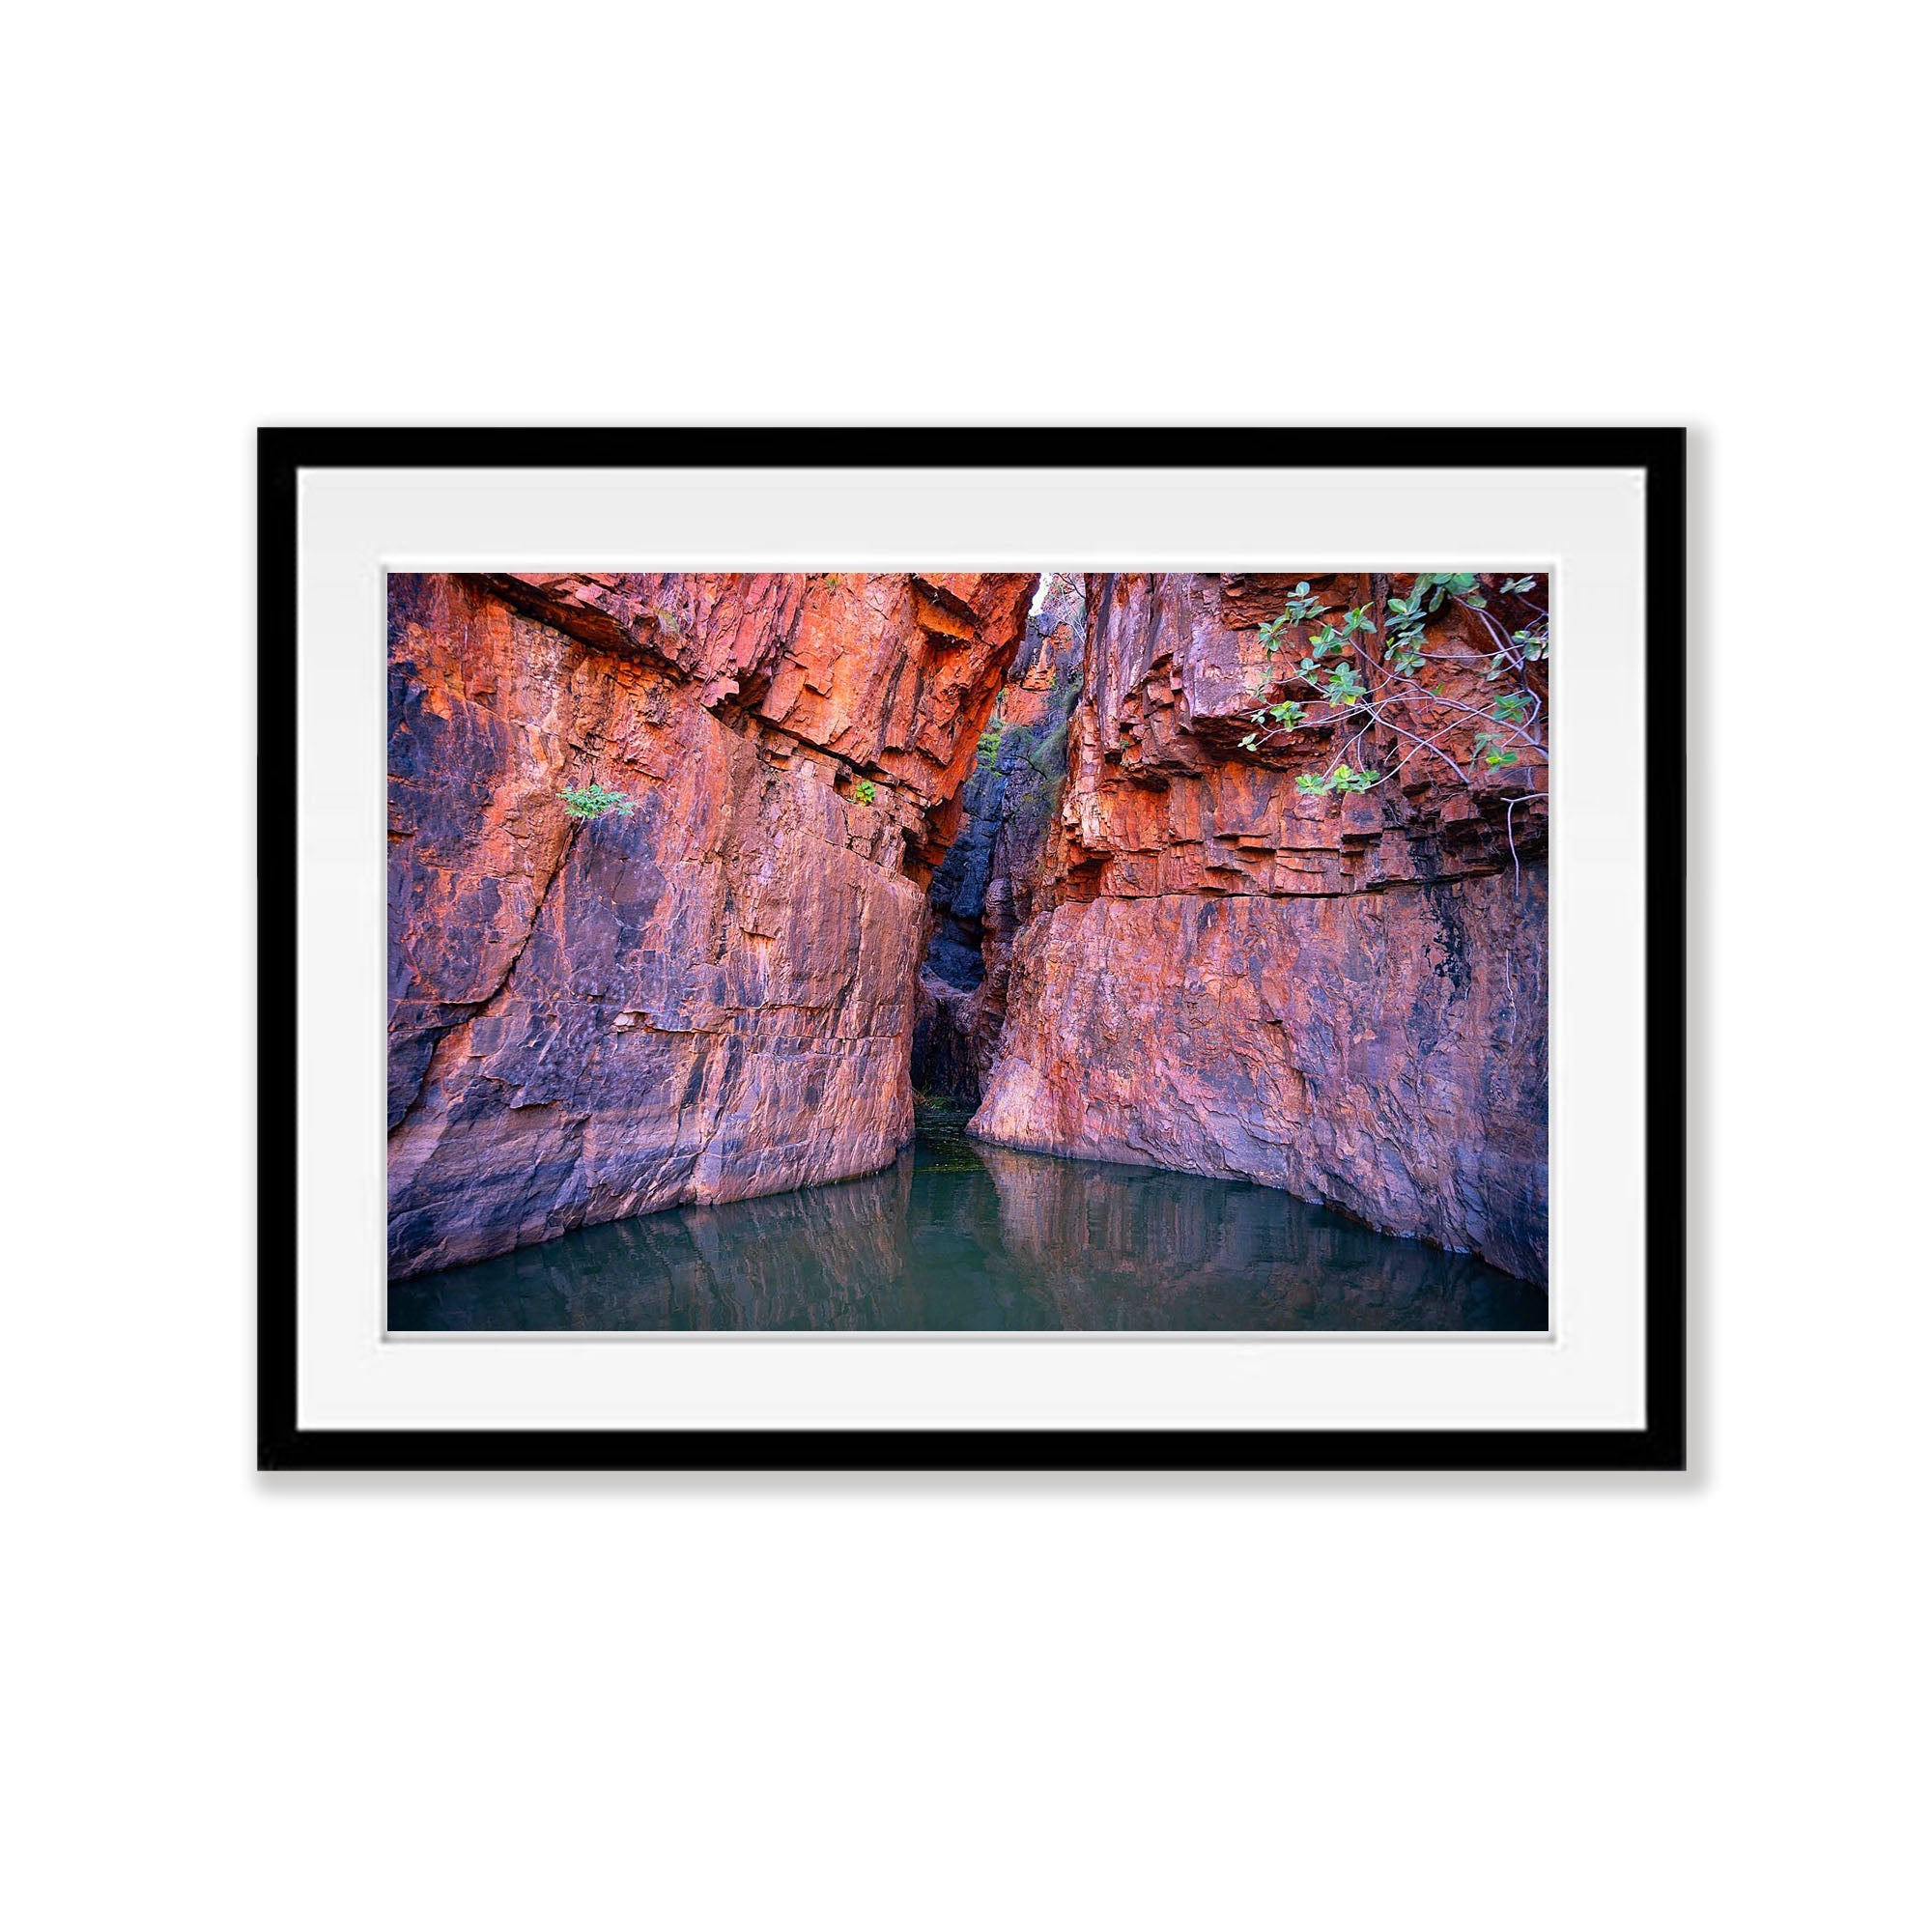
(970, 948)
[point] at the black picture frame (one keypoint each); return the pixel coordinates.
(1661, 1445)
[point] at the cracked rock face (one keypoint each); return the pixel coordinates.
(710, 996)
(1340, 996)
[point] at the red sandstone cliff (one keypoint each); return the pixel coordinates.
(712, 997)
(1340, 996)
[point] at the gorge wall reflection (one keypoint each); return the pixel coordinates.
(962, 1235)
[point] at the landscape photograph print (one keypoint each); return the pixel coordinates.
(1018, 952)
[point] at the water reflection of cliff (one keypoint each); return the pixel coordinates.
(964, 1237)
(1133, 1247)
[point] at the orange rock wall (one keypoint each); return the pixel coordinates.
(1340, 996)
(712, 997)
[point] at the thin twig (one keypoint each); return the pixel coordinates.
(1509, 826)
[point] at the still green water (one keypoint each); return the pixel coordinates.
(961, 1235)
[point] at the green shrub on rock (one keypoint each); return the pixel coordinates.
(594, 801)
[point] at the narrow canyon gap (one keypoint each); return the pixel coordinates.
(1142, 944)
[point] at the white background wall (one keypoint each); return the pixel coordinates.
(894, 1703)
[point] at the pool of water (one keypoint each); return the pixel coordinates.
(961, 1235)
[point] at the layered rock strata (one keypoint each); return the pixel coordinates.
(1340, 996)
(709, 996)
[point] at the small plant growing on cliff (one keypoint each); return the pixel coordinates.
(1301, 608)
(865, 792)
(989, 743)
(595, 801)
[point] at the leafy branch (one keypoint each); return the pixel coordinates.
(1390, 690)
